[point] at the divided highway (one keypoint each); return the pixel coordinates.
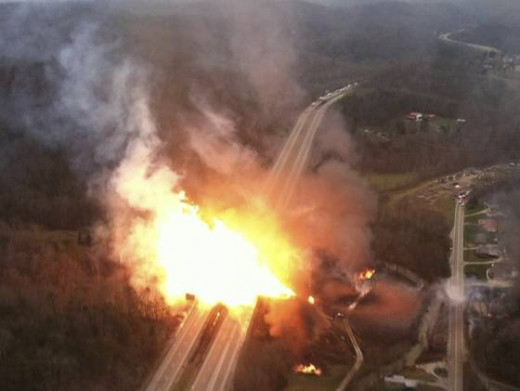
(217, 371)
(295, 153)
(177, 355)
(456, 315)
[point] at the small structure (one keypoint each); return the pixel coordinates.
(398, 382)
(414, 116)
(490, 225)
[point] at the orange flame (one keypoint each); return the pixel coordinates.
(309, 369)
(232, 258)
(311, 300)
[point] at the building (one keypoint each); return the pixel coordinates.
(490, 225)
(398, 382)
(415, 116)
(488, 251)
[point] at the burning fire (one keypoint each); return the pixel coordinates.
(311, 300)
(309, 369)
(230, 258)
(366, 274)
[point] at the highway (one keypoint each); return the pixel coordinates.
(456, 314)
(177, 355)
(295, 153)
(216, 373)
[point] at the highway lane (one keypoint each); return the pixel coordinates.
(218, 369)
(456, 314)
(217, 372)
(295, 153)
(177, 355)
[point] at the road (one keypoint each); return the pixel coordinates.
(359, 358)
(295, 153)
(217, 372)
(482, 48)
(456, 314)
(177, 355)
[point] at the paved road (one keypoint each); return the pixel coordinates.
(482, 48)
(217, 372)
(359, 358)
(295, 153)
(456, 315)
(177, 355)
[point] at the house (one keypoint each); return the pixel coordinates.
(413, 116)
(488, 251)
(490, 225)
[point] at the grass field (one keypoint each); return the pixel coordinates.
(471, 230)
(476, 271)
(473, 218)
(446, 207)
(385, 182)
(471, 256)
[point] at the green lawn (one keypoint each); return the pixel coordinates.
(384, 182)
(471, 256)
(444, 124)
(446, 207)
(476, 271)
(475, 217)
(471, 230)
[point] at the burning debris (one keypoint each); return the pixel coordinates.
(309, 369)
(366, 274)
(364, 284)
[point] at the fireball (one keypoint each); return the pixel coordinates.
(229, 256)
(232, 258)
(213, 261)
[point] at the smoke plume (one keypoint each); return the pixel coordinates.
(96, 101)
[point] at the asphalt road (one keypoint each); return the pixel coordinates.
(295, 153)
(447, 39)
(177, 355)
(456, 315)
(359, 358)
(217, 372)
